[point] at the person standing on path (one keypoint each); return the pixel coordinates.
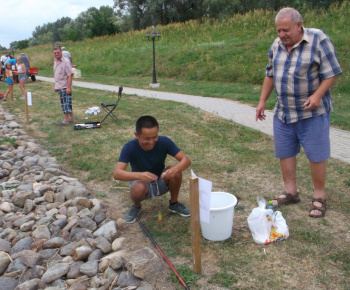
(8, 76)
(4, 58)
(302, 68)
(67, 55)
(149, 177)
(63, 76)
(22, 76)
(26, 63)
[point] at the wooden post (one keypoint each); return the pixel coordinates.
(26, 100)
(195, 225)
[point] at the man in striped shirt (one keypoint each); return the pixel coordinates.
(302, 68)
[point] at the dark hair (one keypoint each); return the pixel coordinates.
(146, 122)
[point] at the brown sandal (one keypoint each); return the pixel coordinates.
(322, 208)
(288, 199)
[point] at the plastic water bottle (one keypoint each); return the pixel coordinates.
(270, 206)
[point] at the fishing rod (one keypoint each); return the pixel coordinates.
(161, 252)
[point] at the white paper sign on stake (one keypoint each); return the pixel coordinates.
(29, 98)
(205, 187)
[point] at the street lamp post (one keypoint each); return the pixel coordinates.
(154, 83)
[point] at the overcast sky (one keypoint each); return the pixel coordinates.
(19, 18)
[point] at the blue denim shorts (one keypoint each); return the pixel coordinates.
(311, 133)
(22, 77)
(155, 188)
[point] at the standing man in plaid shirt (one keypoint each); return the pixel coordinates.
(63, 75)
(302, 68)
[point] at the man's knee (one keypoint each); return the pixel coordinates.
(139, 188)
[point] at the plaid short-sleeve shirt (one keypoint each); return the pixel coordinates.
(297, 74)
(62, 69)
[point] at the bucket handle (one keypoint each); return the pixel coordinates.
(236, 203)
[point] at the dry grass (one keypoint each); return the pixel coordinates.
(237, 160)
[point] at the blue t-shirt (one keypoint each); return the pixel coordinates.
(152, 161)
(12, 61)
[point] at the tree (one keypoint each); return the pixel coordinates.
(100, 21)
(22, 44)
(71, 35)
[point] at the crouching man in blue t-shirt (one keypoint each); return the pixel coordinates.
(149, 177)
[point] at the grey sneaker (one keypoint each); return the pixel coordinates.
(22, 98)
(180, 209)
(131, 215)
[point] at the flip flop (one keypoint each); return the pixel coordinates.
(62, 124)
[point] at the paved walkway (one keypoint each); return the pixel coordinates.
(238, 113)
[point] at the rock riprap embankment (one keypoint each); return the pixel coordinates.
(53, 233)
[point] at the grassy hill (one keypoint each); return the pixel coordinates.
(209, 58)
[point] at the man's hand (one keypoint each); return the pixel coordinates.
(260, 112)
(68, 91)
(312, 103)
(148, 177)
(169, 173)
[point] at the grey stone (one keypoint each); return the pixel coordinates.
(32, 284)
(23, 220)
(95, 255)
(26, 227)
(62, 222)
(144, 263)
(25, 186)
(82, 250)
(103, 244)
(79, 233)
(71, 192)
(58, 284)
(67, 250)
(8, 283)
(48, 253)
(28, 257)
(22, 244)
(5, 246)
(51, 172)
(74, 270)
(100, 218)
(45, 221)
(127, 279)
(36, 272)
(55, 242)
(55, 272)
(21, 196)
(89, 268)
(82, 201)
(41, 232)
(55, 230)
(100, 282)
(60, 197)
(87, 223)
(28, 206)
(85, 213)
(109, 231)
(4, 262)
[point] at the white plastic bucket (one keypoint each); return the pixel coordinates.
(222, 208)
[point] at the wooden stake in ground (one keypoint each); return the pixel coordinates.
(195, 225)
